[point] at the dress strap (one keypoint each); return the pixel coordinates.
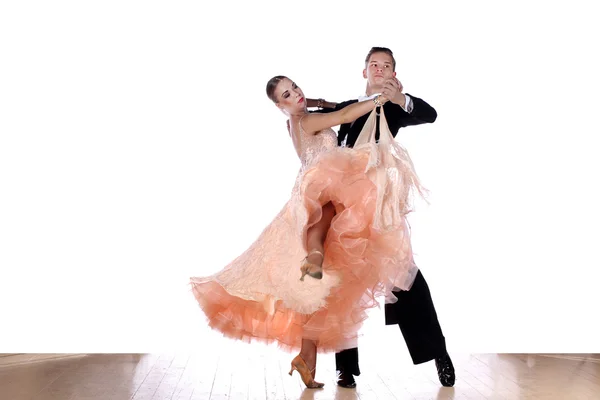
(300, 124)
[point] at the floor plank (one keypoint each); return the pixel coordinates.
(231, 370)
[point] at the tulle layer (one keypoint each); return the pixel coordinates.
(259, 295)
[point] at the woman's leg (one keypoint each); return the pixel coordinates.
(308, 352)
(305, 363)
(316, 235)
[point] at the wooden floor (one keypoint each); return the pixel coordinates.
(233, 370)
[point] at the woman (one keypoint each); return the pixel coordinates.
(341, 241)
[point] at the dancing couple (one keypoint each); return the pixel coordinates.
(341, 241)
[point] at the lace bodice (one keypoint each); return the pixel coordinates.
(311, 145)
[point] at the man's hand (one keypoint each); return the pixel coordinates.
(392, 89)
(400, 87)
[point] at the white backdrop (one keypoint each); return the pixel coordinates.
(138, 148)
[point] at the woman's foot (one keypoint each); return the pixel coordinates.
(312, 265)
(306, 374)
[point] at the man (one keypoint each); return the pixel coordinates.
(414, 311)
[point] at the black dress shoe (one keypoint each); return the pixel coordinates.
(346, 380)
(445, 370)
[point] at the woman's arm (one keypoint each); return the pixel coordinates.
(316, 122)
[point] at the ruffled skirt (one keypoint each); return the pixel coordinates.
(259, 295)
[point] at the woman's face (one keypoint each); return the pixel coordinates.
(289, 96)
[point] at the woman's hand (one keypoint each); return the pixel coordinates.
(380, 100)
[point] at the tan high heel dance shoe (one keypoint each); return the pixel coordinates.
(310, 269)
(299, 365)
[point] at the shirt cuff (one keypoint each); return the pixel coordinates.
(408, 105)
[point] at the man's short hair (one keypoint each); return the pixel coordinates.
(381, 50)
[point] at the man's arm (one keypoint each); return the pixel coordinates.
(320, 103)
(418, 112)
(412, 110)
(331, 107)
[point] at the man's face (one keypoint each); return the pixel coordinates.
(379, 69)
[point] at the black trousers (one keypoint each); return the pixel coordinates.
(415, 315)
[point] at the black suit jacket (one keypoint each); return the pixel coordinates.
(396, 117)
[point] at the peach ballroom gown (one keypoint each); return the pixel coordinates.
(367, 251)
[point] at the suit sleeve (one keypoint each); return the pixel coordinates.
(422, 113)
